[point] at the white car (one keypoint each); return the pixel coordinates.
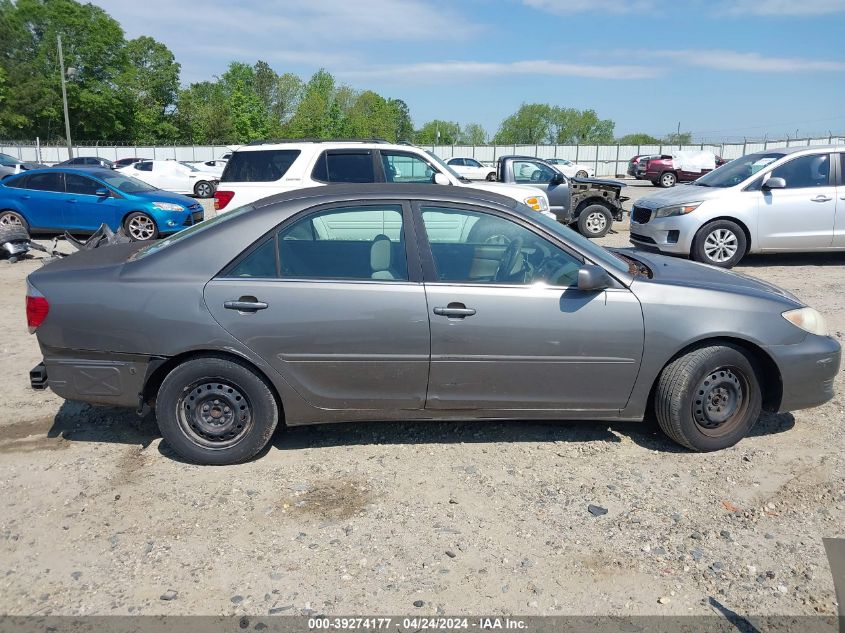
(174, 176)
(570, 169)
(471, 169)
(215, 166)
(263, 169)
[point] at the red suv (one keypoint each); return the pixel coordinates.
(662, 171)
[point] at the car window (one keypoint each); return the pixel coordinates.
(842, 169)
(144, 165)
(471, 162)
(344, 166)
(261, 263)
(403, 167)
(49, 181)
(351, 243)
(474, 247)
(8, 161)
(127, 184)
(803, 172)
(75, 183)
(460, 162)
(527, 171)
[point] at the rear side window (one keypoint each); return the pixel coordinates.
(344, 166)
(259, 166)
(51, 181)
(144, 165)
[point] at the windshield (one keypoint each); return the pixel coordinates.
(127, 184)
(590, 248)
(155, 247)
(446, 167)
(737, 170)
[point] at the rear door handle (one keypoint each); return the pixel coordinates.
(241, 305)
(821, 198)
(454, 311)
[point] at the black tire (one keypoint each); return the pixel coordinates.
(13, 218)
(581, 174)
(595, 220)
(140, 227)
(667, 179)
(216, 411)
(491, 176)
(698, 389)
(13, 233)
(654, 182)
(721, 243)
(203, 189)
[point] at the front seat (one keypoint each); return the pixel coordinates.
(381, 258)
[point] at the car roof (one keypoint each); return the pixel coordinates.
(802, 148)
(257, 146)
(88, 171)
(390, 191)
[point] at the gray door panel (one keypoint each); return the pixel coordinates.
(353, 345)
(533, 347)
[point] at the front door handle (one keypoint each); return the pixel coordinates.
(454, 311)
(71, 201)
(246, 304)
(821, 198)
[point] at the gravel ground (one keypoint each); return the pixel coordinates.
(525, 518)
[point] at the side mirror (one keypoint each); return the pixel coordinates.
(440, 179)
(102, 192)
(593, 278)
(557, 179)
(775, 183)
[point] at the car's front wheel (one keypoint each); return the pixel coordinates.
(595, 221)
(139, 226)
(709, 398)
(667, 180)
(721, 243)
(491, 176)
(203, 189)
(216, 411)
(581, 174)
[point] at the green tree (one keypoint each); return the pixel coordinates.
(684, 138)
(449, 132)
(204, 114)
(404, 126)
(530, 125)
(370, 116)
(638, 138)
(287, 94)
(153, 79)
(569, 126)
(473, 134)
(250, 116)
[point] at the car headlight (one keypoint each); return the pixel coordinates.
(537, 203)
(676, 209)
(168, 206)
(808, 319)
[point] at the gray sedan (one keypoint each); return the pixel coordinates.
(409, 302)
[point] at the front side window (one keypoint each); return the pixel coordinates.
(805, 171)
(527, 171)
(144, 165)
(49, 181)
(360, 243)
(344, 166)
(471, 162)
(82, 185)
(473, 247)
(402, 167)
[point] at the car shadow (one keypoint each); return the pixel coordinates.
(80, 422)
(793, 259)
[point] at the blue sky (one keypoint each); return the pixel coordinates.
(722, 68)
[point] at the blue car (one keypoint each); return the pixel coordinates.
(79, 201)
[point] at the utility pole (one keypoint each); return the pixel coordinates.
(64, 99)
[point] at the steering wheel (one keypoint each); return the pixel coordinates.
(509, 259)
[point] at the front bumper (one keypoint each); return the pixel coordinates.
(665, 235)
(808, 371)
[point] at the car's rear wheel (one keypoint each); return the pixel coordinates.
(491, 176)
(721, 243)
(594, 221)
(709, 398)
(12, 218)
(203, 189)
(214, 410)
(581, 174)
(139, 226)
(667, 180)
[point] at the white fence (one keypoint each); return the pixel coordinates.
(607, 160)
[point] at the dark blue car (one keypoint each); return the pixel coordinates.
(79, 201)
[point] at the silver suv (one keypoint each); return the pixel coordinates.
(780, 200)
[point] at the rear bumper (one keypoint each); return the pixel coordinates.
(114, 381)
(808, 371)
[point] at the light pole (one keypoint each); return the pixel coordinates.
(64, 96)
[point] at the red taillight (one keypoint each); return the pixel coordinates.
(36, 310)
(222, 198)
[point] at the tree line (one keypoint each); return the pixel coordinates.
(128, 91)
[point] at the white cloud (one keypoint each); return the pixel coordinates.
(745, 62)
(783, 7)
(593, 6)
(466, 70)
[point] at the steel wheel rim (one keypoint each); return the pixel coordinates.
(721, 245)
(668, 180)
(203, 190)
(141, 227)
(214, 414)
(720, 401)
(10, 219)
(596, 222)
(581, 174)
